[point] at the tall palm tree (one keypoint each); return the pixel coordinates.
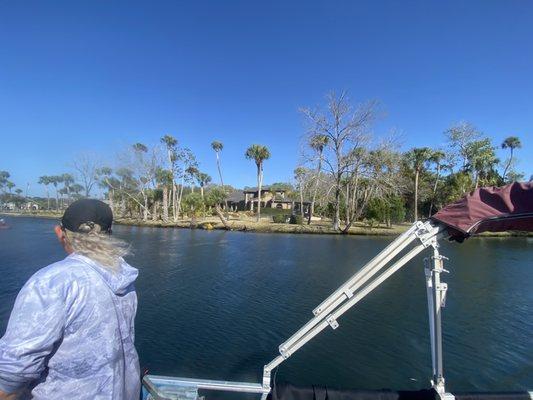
(56, 180)
(217, 147)
(164, 179)
(171, 145)
(45, 180)
(259, 154)
(299, 176)
(10, 186)
(512, 142)
(437, 158)
(68, 181)
(317, 142)
(416, 159)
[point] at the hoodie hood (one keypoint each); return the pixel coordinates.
(118, 280)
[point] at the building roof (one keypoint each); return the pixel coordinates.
(236, 196)
(263, 189)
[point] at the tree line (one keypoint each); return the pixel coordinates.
(345, 173)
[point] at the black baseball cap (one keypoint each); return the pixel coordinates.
(87, 211)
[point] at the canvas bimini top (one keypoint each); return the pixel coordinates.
(489, 209)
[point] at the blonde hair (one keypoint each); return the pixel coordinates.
(100, 247)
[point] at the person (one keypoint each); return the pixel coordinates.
(71, 331)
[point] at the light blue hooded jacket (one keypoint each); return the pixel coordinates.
(71, 334)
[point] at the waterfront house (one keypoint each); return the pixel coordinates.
(248, 199)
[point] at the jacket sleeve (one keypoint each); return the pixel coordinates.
(36, 324)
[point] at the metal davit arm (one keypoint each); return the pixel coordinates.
(355, 289)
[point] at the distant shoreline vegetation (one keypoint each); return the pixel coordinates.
(266, 227)
(345, 179)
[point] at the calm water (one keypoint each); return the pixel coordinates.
(217, 305)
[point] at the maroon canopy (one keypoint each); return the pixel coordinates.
(490, 209)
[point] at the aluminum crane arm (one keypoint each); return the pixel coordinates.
(424, 234)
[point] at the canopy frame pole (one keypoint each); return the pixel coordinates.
(436, 296)
(353, 290)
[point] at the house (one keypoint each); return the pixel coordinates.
(270, 198)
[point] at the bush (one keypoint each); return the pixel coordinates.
(273, 211)
(280, 218)
(296, 219)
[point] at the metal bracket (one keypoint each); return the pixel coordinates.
(266, 379)
(332, 322)
(348, 293)
(425, 235)
(443, 287)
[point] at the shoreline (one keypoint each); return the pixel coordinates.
(213, 223)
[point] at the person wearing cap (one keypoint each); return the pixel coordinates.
(71, 331)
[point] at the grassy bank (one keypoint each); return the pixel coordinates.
(245, 223)
(238, 222)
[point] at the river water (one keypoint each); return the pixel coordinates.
(216, 305)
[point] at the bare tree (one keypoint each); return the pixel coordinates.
(86, 166)
(460, 136)
(347, 129)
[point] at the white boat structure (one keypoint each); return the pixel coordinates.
(486, 209)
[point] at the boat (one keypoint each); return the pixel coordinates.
(3, 224)
(490, 209)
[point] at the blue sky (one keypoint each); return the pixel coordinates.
(98, 75)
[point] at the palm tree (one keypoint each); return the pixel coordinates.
(4, 176)
(217, 147)
(317, 142)
(512, 142)
(299, 176)
(259, 154)
(56, 180)
(171, 145)
(203, 179)
(68, 181)
(436, 157)
(193, 174)
(164, 179)
(45, 180)
(10, 186)
(416, 159)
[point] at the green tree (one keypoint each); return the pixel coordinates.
(68, 181)
(437, 158)
(171, 145)
(217, 147)
(299, 176)
(194, 205)
(482, 163)
(45, 180)
(10, 185)
(203, 179)
(192, 172)
(214, 198)
(416, 159)
(259, 154)
(56, 180)
(4, 179)
(164, 180)
(317, 142)
(511, 143)
(460, 137)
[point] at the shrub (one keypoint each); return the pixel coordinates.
(296, 219)
(280, 218)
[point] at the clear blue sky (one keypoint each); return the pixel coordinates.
(97, 75)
